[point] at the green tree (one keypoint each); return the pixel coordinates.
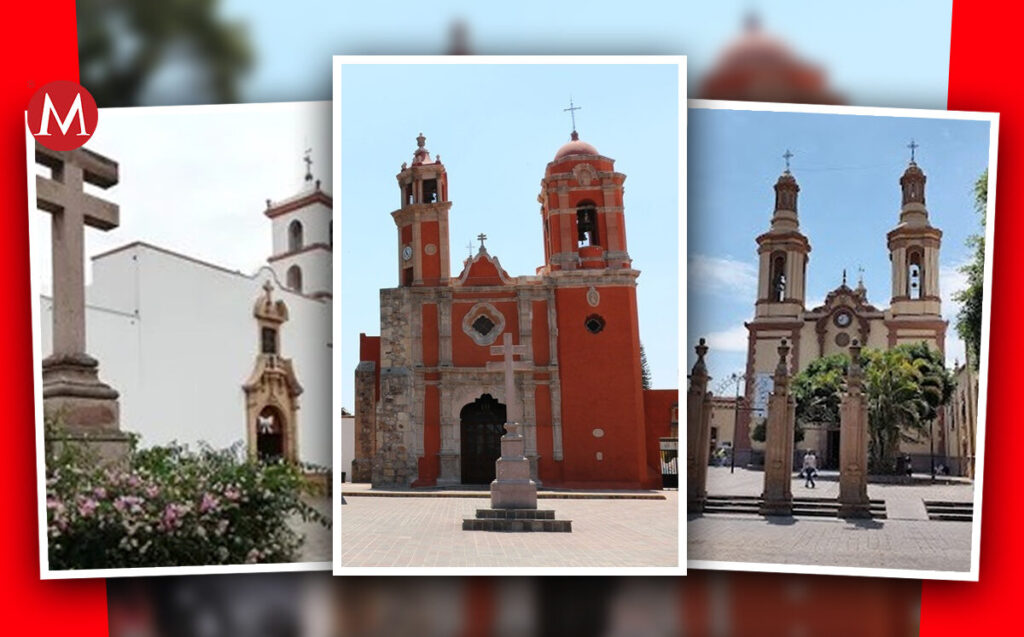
(968, 319)
(905, 387)
(123, 45)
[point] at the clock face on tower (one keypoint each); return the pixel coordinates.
(407, 252)
(843, 319)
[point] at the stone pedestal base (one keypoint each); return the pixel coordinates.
(516, 520)
(776, 507)
(74, 396)
(512, 487)
(514, 494)
(109, 447)
(82, 408)
(855, 509)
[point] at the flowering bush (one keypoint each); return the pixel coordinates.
(170, 506)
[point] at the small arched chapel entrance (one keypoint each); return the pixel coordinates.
(482, 426)
(272, 390)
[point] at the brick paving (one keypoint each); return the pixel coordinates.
(427, 531)
(903, 541)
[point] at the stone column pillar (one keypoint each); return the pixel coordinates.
(777, 498)
(698, 413)
(853, 443)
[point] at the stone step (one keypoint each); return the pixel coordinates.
(949, 511)
(516, 514)
(804, 507)
(517, 525)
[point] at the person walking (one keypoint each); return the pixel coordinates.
(810, 469)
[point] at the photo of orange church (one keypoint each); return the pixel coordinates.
(464, 346)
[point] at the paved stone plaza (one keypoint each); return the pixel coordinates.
(905, 540)
(317, 546)
(427, 531)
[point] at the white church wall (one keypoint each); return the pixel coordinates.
(180, 364)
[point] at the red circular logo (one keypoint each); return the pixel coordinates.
(62, 115)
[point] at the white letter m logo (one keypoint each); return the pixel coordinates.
(65, 124)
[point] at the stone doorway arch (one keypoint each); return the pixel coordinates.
(482, 423)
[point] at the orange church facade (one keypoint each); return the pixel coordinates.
(430, 393)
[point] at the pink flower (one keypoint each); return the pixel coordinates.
(86, 506)
(152, 491)
(232, 493)
(171, 518)
(209, 503)
(100, 492)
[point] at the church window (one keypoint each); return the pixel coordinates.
(594, 323)
(268, 340)
(778, 278)
(483, 325)
(295, 236)
(586, 224)
(914, 275)
(294, 278)
(429, 190)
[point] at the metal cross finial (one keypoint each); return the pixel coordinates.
(572, 112)
(481, 238)
(469, 248)
(913, 146)
(309, 164)
(787, 156)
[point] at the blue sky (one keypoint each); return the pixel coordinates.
(496, 127)
(848, 168)
(877, 52)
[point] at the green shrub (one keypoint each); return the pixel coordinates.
(171, 506)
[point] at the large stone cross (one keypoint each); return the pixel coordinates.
(85, 408)
(509, 351)
(64, 197)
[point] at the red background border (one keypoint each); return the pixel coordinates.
(38, 44)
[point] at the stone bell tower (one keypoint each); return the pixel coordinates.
(422, 220)
(594, 286)
(914, 251)
(915, 311)
(782, 255)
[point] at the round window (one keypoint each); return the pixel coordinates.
(594, 323)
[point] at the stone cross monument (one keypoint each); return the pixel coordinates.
(512, 487)
(84, 407)
(513, 492)
(777, 498)
(698, 433)
(853, 443)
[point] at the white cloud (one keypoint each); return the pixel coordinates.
(733, 339)
(951, 281)
(723, 276)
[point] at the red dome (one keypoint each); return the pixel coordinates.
(575, 147)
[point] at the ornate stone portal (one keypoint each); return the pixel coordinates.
(84, 408)
(853, 443)
(272, 390)
(777, 498)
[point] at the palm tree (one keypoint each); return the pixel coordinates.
(893, 384)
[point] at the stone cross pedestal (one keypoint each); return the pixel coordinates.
(853, 443)
(513, 492)
(777, 498)
(512, 487)
(84, 407)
